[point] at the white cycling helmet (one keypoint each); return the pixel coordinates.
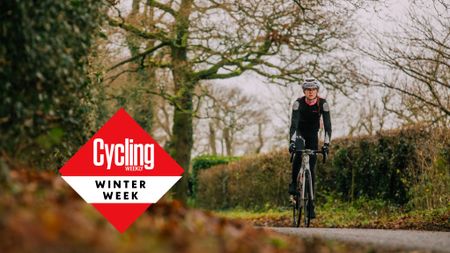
(311, 83)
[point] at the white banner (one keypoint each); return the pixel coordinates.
(121, 189)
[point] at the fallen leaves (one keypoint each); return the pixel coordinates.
(39, 213)
(435, 220)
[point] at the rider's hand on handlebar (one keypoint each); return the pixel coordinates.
(291, 147)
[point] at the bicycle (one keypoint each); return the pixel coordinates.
(305, 194)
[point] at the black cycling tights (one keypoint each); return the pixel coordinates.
(297, 163)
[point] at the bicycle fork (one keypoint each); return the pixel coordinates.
(311, 193)
(304, 170)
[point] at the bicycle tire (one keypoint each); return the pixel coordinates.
(299, 198)
(294, 212)
(307, 201)
(308, 216)
(299, 217)
(297, 212)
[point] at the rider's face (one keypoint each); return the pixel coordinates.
(310, 93)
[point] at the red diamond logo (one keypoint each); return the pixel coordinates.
(121, 171)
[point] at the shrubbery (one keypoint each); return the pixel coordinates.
(377, 168)
(252, 182)
(401, 167)
(205, 162)
(44, 89)
(432, 190)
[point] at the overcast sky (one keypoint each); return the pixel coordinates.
(382, 17)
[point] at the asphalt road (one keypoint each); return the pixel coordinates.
(379, 238)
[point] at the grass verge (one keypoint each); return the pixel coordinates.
(362, 213)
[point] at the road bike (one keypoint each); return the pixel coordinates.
(304, 197)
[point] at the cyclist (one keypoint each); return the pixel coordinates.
(305, 124)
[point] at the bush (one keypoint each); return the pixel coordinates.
(398, 167)
(432, 189)
(377, 168)
(44, 91)
(252, 182)
(212, 190)
(205, 162)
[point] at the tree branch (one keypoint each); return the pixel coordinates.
(143, 55)
(411, 94)
(160, 35)
(211, 73)
(164, 7)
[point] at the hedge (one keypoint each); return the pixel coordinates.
(388, 166)
(252, 182)
(377, 168)
(45, 92)
(205, 162)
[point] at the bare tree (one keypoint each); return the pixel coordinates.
(417, 61)
(371, 115)
(282, 109)
(234, 118)
(207, 39)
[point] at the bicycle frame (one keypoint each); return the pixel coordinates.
(301, 174)
(300, 200)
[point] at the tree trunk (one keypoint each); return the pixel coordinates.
(182, 140)
(182, 130)
(212, 139)
(228, 141)
(260, 139)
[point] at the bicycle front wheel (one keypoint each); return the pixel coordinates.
(297, 211)
(307, 212)
(307, 201)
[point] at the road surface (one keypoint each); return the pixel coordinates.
(429, 241)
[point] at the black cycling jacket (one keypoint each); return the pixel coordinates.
(306, 118)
